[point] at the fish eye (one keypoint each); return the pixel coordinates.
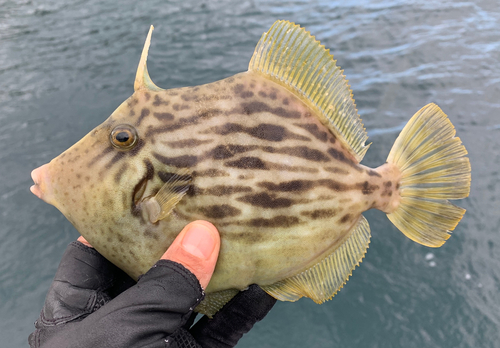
(123, 137)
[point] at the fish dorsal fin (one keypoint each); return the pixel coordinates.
(171, 193)
(290, 56)
(322, 281)
(142, 79)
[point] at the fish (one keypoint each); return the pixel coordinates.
(271, 156)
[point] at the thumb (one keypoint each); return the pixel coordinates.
(197, 249)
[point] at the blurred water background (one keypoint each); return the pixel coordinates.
(65, 65)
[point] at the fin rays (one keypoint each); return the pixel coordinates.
(292, 57)
(214, 301)
(171, 193)
(322, 281)
(433, 169)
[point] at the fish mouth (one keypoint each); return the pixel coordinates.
(38, 175)
(36, 190)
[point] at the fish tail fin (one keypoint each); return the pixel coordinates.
(433, 170)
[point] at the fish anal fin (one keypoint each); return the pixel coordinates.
(214, 301)
(322, 281)
(171, 193)
(291, 56)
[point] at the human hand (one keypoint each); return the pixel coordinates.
(196, 248)
(81, 309)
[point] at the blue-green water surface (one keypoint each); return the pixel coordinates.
(65, 65)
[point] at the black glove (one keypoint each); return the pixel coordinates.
(92, 303)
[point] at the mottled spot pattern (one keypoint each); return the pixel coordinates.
(254, 158)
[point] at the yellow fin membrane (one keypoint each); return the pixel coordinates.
(322, 281)
(214, 301)
(433, 169)
(291, 56)
(161, 205)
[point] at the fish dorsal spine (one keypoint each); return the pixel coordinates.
(291, 56)
(142, 79)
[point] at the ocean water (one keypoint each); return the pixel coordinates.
(66, 65)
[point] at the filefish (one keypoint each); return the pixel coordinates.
(271, 157)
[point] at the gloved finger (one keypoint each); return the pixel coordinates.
(79, 286)
(235, 319)
(122, 281)
(146, 315)
(164, 298)
(196, 248)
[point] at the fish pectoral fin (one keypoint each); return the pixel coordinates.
(322, 281)
(214, 301)
(171, 193)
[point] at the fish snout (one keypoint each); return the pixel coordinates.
(39, 176)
